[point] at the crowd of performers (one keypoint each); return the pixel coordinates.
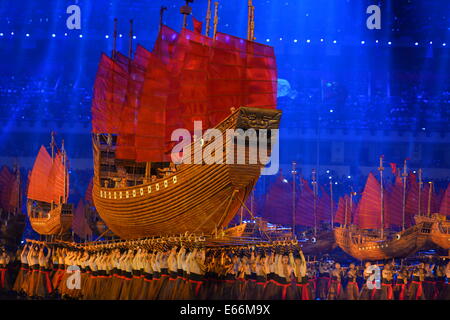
(165, 271)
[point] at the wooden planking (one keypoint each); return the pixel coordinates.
(56, 224)
(440, 234)
(200, 192)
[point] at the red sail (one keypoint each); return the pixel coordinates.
(394, 205)
(412, 201)
(37, 187)
(342, 210)
(430, 202)
(305, 206)
(241, 73)
(47, 180)
(151, 131)
(128, 114)
(9, 190)
(324, 206)
(109, 96)
(445, 203)
(187, 77)
(278, 204)
(79, 224)
(369, 208)
(88, 194)
(56, 181)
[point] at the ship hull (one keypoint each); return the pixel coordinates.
(440, 230)
(440, 234)
(324, 243)
(402, 245)
(58, 222)
(197, 198)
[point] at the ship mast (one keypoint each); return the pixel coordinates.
(381, 169)
(314, 183)
(52, 144)
(294, 173)
(161, 14)
(185, 11)
(345, 209)
(113, 55)
(430, 192)
(251, 21)
(63, 152)
(208, 19)
(130, 43)
(404, 175)
(420, 193)
(352, 193)
(331, 204)
(216, 18)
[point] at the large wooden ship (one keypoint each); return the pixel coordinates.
(12, 220)
(48, 191)
(226, 82)
(370, 234)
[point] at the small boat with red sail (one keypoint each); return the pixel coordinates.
(48, 191)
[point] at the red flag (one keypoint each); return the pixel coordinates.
(197, 25)
(394, 168)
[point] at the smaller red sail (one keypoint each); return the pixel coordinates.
(79, 223)
(109, 96)
(324, 206)
(430, 200)
(37, 187)
(88, 194)
(394, 205)
(127, 114)
(412, 199)
(305, 206)
(152, 109)
(56, 180)
(444, 208)
(9, 190)
(197, 25)
(278, 204)
(368, 212)
(342, 210)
